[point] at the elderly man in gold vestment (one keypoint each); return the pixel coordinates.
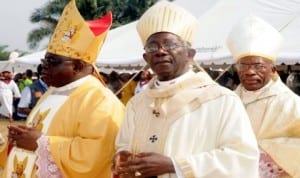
(274, 110)
(71, 131)
(184, 124)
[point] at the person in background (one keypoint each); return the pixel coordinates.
(17, 77)
(142, 84)
(71, 130)
(128, 85)
(104, 76)
(115, 83)
(184, 124)
(26, 79)
(35, 76)
(293, 82)
(8, 93)
(30, 95)
(274, 110)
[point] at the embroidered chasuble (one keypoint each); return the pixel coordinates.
(81, 120)
(3, 154)
(200, 125)
(275, 117)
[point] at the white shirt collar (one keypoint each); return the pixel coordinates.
(162, 84)
(72, 85)
(249, 96)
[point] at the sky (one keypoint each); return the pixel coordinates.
(15, 23)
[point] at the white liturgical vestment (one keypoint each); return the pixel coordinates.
(202, 126)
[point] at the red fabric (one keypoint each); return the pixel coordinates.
(10, 146)
(99, 26)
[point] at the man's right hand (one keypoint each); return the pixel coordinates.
(118, 159)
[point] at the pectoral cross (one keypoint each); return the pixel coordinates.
(153, 138)
(156, 113)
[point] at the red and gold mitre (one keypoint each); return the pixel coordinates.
(79, 39)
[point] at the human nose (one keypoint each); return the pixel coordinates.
(160, 53)
(161, 50)
(162, 47)
(250, 70)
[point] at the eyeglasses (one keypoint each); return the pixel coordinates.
(153, 47)
(54, 62)
(245, 67)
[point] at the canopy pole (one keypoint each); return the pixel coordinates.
(125, 85)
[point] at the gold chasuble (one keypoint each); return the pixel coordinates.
(81, 121)
(3, 154)
(203, 127)
(275, 118)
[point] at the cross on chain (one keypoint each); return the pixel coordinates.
(156, 113)
(153, 138)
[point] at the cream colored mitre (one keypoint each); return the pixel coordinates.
(165, 16)
(252, 36)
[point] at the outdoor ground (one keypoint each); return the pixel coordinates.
(3, 131)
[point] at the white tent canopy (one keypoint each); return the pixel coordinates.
(217, 22)
(16, 67)
(216, 18)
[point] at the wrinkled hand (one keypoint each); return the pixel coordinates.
(24, 137)
(148, 164)
(120, 157)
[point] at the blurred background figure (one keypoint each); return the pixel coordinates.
(8, 92)
(26, 79)
(128, 87)
(104, 76)
(114, 83)
(293, 82)
(145, 77)
(30, 95)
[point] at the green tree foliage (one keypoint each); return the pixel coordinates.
(124, 11)
(47, 17)
(4, 54)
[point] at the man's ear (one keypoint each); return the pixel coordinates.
(274, 69)
(146, 57)
(191, 53)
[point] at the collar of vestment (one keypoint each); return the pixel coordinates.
(274, 87)
(163, 84)
(189, 80)
(183, 96)
(66, 89)
(251, 96)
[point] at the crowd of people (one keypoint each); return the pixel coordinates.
(18, 94)
(17, 91)
(174, 122)
(126, 85)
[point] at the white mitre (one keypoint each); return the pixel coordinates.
(254, 37)
(165, 16)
